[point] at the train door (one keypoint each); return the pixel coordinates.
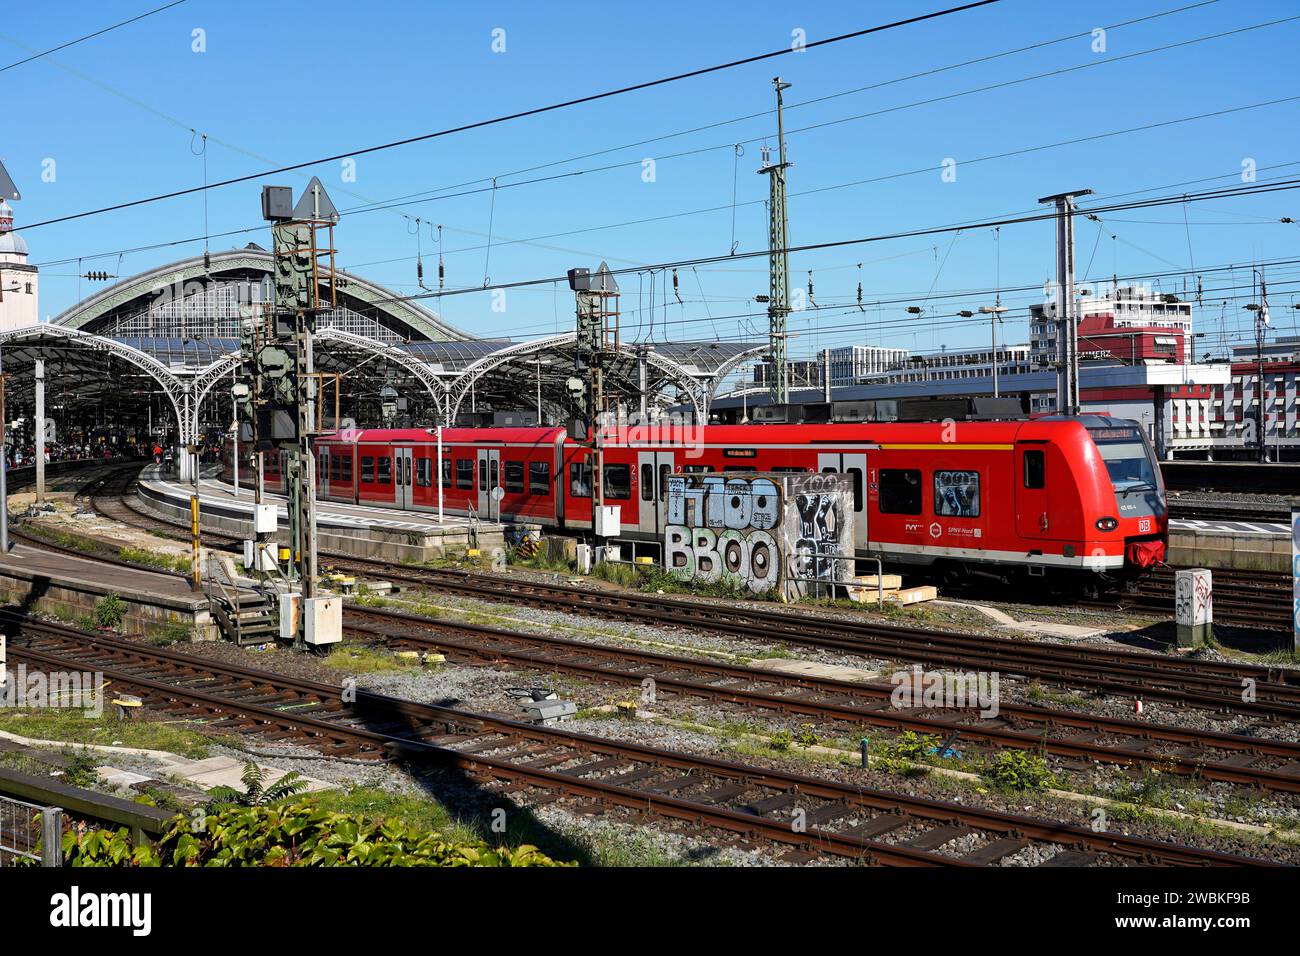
(489, 479)
(402, 476)
(323, 473)
(1033, 507)
(653, 469)
(853, 464)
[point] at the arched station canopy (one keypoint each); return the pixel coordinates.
(171, 335)
(201, 297)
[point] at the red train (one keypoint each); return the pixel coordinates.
(1049, 497)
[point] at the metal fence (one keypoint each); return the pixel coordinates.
(30, 834)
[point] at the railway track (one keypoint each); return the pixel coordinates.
(811, 816)
(1271, 693)
(1270, 764)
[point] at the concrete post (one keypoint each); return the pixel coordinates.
(52, 837)
(40, 430)
(1194, 607)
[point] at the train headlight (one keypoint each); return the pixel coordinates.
(1107, 524)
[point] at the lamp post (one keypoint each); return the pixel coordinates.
(994, 312)
(538, 363)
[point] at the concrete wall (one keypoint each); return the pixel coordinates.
(1249, 552)
(377, 543)
(71, 601)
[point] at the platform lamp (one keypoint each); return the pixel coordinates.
(388, 403)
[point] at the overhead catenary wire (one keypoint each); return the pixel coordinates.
(89, 36)
(1205, 195)
(789, 106)
(532, 111)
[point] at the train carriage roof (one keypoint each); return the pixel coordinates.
(998, 432)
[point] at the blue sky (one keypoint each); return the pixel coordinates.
(282, 82)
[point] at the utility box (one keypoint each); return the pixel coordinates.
(290, 607)
(265, 520)
(1194, 606)
(582, 558)
(322, 620)
(608, 521)
(259, 555)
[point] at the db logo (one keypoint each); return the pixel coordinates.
(1144, 526)
(936, 529)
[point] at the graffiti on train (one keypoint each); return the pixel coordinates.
(759, 532)
(819, 523)
(720, 528)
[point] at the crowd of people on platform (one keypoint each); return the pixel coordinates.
(17, 456)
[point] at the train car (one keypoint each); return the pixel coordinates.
(1049, 497)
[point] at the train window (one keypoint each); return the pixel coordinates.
(856, 473)
(446, 472)
(465, 473)
(900, 491)
(580, 480)
(696, 469)
(482, 476)
(790, 471)
(494, 473)
(336, 468)
(367, 470)
(424, 472)
(618, 482)
(539, 478)
(346, 468)
(664, 471)
(957, 494)
(383, 470)
(1035, 469)
(647, 482)
(515, 477)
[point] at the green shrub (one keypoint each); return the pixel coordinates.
(625, 575)
(781, 740)
(109, 611)
(294, 834)
(256, 792)
(1018, 770)
(80, 771)
(902, 755)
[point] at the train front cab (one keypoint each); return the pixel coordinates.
(1140, 511)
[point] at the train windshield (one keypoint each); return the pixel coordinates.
(1129, 460)
(1129, 468)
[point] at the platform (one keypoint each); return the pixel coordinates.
(1247, 545)
(360, 530)
(68, 587)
